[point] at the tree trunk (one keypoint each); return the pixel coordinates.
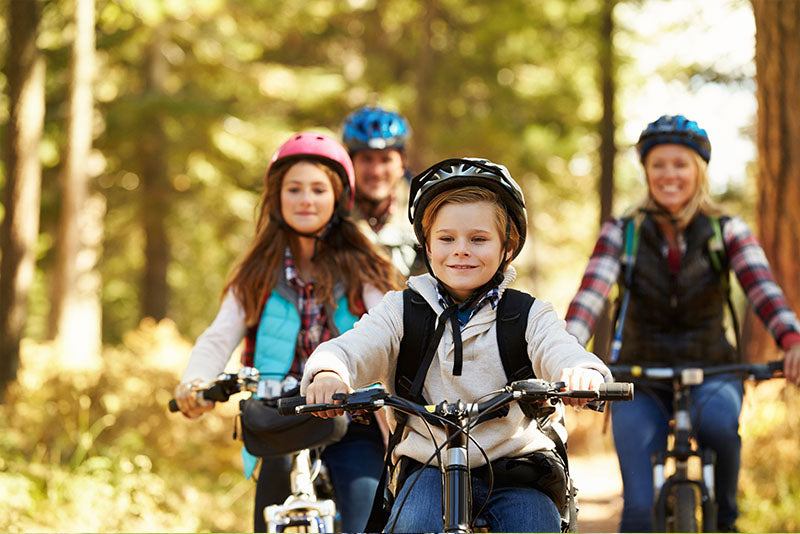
(778, 215)
(25, 72)
(422, 104)
(155, 189)
(76, 311)
(608, 152)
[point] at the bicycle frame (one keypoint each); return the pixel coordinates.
(682, 451)
(675, 497)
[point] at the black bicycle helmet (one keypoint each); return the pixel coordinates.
(462, 172)
(674, 129)
(375, 129)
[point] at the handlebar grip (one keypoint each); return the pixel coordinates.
(287, 405)
(614, 391)
(173, 406)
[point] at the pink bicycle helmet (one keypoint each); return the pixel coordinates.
(313, 145)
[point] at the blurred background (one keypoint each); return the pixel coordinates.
(136, 136)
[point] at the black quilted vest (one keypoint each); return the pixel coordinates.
(675, 319)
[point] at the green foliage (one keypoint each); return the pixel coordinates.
(98, 451)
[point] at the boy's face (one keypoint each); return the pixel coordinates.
(464, 247)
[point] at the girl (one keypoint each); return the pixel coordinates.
(469, 216)
(307, 277)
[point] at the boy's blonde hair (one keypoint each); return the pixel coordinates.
(468, 195)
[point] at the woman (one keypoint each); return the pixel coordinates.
(676, 309)
(307, 277)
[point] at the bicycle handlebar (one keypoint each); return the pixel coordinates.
(527, 390)
(759, 371)
(225, 385)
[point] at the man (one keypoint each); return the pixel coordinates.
(376, 139)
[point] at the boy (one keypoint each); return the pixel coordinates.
(469, 217)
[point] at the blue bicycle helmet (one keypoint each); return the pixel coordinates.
(674, 129)
(374, 129)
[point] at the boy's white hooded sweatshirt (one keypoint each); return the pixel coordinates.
(368, 354)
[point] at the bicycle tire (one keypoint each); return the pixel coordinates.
(685, 509)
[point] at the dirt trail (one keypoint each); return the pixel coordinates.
(599, 491)
(594, 467)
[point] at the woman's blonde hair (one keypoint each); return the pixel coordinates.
(344, 253)
(701, 201)
(467, 195)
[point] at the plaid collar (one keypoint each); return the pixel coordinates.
(290, 271)
(492, 296)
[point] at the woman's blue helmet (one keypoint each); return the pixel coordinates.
(375, 129)
(674, 129)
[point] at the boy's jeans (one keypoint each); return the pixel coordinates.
(640, 428)
(508, 509)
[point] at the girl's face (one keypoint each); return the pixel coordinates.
(671, 172)
(464, 247)
(307, 198)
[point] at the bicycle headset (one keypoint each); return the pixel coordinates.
(674, 129)
(375, 128)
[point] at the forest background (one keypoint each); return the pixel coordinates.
(136, 135)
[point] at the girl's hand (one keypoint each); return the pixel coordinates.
(581, 379)
(321, 390)
(791, 364)
(187, 401)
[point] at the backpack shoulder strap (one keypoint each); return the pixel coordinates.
(512, 321)
(719, 261)
(419, 323)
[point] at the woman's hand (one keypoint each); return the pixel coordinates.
(321, 390)
(187, 401)
(791, 364)
(582, 379)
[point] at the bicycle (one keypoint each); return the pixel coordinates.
(458, 419)
(676, 502)
(303, 510)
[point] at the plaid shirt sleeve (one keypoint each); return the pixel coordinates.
(600, 276)
(750, 264)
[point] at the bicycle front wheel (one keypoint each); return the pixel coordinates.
(685, 509)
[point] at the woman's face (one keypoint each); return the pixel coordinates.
(671, 172)
(307, 198)
(464, 247)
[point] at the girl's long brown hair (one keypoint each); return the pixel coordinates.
(343, 254)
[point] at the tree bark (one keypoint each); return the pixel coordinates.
(778, 139)
(422, 104)
(155, 189)
(608, 152)
(76, 311)
(25, 72)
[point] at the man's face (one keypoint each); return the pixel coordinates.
(377, 172)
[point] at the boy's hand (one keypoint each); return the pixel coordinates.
(321, 390)
(581, 379)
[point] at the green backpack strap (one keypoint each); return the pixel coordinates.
(719, 261)
(631, 238)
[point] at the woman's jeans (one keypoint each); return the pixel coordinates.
(641, 427)
(508, 509)
(354, 464)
